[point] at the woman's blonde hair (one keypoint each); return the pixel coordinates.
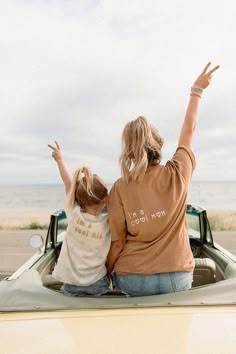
(86, 189)
(141, 147)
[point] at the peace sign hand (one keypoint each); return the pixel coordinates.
(205, 77)
(56, 153)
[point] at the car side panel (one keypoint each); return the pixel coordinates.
(183, 330)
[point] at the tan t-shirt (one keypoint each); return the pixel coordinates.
(151, 217)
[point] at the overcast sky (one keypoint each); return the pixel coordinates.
(77, 71)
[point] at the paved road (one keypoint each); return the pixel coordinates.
(15, 249)
(226, 240)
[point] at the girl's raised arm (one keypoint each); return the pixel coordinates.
(58, 157)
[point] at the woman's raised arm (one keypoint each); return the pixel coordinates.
(190, 120)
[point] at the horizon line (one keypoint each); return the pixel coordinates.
(61, 183)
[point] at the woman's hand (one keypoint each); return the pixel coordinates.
(56, 153)
(205, 77)
(190, 120)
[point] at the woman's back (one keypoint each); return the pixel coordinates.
(153, 214)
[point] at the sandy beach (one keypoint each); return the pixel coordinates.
(23, 218)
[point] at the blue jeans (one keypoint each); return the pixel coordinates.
(98, 288)
(153, 284)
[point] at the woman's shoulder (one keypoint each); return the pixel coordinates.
(183, 153)
(118, 183)
(182, 163)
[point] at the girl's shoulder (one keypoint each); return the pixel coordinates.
(75, 211)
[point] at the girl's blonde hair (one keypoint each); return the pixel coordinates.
(141, 147)
(86, 189)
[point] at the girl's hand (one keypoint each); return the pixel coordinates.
(56, 153)
(205, 77)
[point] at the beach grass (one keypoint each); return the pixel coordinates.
(217, 224)
(25, 219)
(35, 226)
(222, 221)
(32, 226)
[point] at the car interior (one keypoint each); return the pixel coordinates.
(209, 263)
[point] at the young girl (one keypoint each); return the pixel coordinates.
(81, 264)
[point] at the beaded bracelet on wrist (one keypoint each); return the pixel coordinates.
(196, 91)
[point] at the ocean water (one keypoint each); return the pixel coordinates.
(210, 195)
(213, 195)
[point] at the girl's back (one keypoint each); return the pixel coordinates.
(84, 251)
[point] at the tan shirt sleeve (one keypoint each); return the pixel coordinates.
(184, 162)
(116, 216)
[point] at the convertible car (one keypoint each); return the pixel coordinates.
(36, 317)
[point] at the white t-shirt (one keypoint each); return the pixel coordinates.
(84, 250)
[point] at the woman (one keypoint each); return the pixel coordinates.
(150, 251)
